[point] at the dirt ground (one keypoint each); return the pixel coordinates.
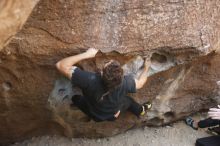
(178, 134)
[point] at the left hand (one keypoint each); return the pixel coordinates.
(214, 113)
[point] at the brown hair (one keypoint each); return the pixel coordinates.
(112, 75)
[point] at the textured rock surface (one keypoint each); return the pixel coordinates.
(13, 14)
(178, 34)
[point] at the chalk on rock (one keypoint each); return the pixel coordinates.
(62, 92)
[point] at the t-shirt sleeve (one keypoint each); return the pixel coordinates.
(80, 78)
(130, 84)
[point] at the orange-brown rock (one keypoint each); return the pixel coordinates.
(179, 37)
(13, 14)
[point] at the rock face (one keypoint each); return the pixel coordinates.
(13, 14)
(178, 36)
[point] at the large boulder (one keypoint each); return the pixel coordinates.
(180, 38)
(13, 14)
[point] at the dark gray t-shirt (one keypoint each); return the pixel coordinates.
(102, 107)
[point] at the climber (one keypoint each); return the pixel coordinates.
(105, 93)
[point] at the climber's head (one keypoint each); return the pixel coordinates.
(112, 74)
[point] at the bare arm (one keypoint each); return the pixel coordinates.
(143, 77)
(214, 113)
(65, 65)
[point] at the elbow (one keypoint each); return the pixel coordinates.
(63, 68)
(58, 65)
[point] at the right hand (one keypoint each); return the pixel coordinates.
(91, 52)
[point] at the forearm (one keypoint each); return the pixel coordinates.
(143, 78)
(72, 60)
(64, 65)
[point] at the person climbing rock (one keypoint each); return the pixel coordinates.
(105, 93)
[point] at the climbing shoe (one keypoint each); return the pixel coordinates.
(146, 106)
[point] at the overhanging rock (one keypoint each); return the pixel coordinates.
(178, 36)
(13, 15)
